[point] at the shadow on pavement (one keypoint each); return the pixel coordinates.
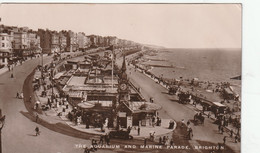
(33, 135)
(166, 93)
(173, 100)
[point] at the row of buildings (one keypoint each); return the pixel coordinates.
(19, 42)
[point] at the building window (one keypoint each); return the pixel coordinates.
(3, 45)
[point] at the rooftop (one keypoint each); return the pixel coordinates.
(77, 81)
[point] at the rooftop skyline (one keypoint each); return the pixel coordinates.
(168, 25)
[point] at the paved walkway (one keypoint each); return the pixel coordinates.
(3, 70)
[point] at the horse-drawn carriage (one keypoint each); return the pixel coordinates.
(184, 98)
(173, 90)
(198, 119)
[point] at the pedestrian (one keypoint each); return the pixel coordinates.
(21, 95)
(128, 129)
(49, 103)
(163, 140)
(108, 140)
(222, 129)
(37, 130)
(153, 121)
(101, 139)
(182, 123)
(231, 133)
(167, 142)
(160, 140)
(188, 123)
(190, 134)
(224, 139)
(159, 122)
(152, 136)
(171, 142)
(17, 95)
(219, 128)
(37, 104)
(101, 127)
(36, 117)
(138, 130)
(64, 110)
(209, 115)
(145, 141)
(30, 99)
(87, 150)
(236, 138)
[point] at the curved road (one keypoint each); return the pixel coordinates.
(18, 132)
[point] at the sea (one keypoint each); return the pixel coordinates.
(214, 65)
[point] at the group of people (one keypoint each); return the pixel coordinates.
(189, 133)
(19, 95)
(165, 141)
(156, 121)
(104, 139)
(236, 138)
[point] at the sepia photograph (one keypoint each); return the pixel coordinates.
(120, 78)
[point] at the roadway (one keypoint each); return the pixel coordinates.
(18, 132)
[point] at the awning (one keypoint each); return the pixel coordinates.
(237, 78)
(58, 75)
(206, 102)
(5, 51)
(219, 104)
(138, 107)
(86, 105)
(228, 91)
(92, 104)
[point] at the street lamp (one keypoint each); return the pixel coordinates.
(2, 122)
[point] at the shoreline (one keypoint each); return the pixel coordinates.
(168, 72)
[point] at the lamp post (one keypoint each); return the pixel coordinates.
(2, 122)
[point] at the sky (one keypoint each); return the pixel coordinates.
(168, 25)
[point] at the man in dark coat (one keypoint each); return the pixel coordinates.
(37, 130)
(138, 130)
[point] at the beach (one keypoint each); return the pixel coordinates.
(214, 65)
